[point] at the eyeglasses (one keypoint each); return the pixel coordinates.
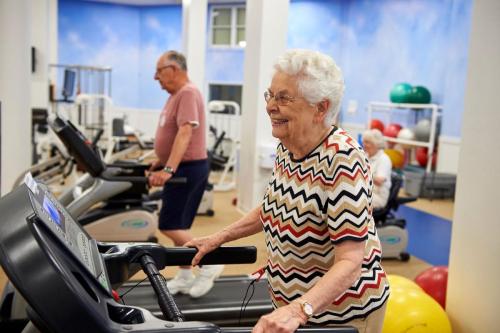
(158, 70)
(280, 98)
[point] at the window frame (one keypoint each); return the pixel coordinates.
(233, 27)
(223, 83)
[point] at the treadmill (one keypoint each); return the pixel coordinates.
(67, 277)
(221, 305)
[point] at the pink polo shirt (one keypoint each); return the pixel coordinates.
(185, 106)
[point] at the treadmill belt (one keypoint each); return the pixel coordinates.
(222, 305)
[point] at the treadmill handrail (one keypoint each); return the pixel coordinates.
(113, 175)
(100, 190)
(119, 258)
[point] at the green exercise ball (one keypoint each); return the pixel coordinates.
(401, 92)
(420, 95)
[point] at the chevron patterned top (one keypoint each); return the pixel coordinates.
(311, 205)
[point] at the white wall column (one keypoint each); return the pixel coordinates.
(473, 295)
(15, 89)
(266, 37)
(194, 24)
(44, 40)
(53, 32)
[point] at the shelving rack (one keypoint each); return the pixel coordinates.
(418, 110)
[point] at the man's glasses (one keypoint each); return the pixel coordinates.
(158, 70)
(280, 98)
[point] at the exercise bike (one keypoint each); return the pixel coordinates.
(68, 278)
(125, 211)
(392, 230)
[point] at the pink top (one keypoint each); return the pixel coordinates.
(185, 106)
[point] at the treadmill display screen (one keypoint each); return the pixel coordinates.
(53, 213)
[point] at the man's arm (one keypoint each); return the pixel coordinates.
(181, 142)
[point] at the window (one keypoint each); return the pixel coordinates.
(228, 26)
(225, 92)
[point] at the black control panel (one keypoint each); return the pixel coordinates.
(70, 233)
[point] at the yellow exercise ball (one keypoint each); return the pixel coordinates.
(398, 281)
(413, 311)
(397, 158)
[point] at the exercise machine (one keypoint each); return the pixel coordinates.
(125, 212)
(392, 230)
(67, 277)
(225, 116)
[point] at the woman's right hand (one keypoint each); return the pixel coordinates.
(204, 246)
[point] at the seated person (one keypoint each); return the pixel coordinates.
(373, 144)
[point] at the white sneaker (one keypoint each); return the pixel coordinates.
(205, 280)
(181, 283)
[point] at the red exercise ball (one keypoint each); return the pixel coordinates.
(421, 156)
(377, 124)
(434, 281)
(392, 130)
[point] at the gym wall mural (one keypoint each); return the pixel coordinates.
(376, 43)
(126, 38)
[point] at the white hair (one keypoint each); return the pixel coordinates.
(374, 136)
(318, 78)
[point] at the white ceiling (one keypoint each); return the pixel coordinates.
(158, 2)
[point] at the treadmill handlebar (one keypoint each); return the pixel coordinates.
(129, 165)
(180, 256)
(167, 303)
(140, 180)
(122, 259)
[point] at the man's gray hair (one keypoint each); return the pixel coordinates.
(318, 77)
(178, 58)
(374, 136)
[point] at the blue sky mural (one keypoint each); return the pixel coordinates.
(160, 31)
(380, 43)
(128, 39)
(376, 43)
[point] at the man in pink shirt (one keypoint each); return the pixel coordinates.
(181, 149)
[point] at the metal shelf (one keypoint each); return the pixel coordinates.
(391, 106)
(407, 142)
(388, 108)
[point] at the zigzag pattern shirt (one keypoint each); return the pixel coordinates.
(310, 206)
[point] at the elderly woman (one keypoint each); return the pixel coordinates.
(373, 143)
(322, 246)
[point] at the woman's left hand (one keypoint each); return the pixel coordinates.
(283, 320)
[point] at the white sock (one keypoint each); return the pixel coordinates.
(185, 273)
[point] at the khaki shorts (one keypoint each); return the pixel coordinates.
(371, 324)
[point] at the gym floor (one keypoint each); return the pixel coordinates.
(428, 223)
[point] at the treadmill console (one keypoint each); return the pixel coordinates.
(49, 211)
(79, 146)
